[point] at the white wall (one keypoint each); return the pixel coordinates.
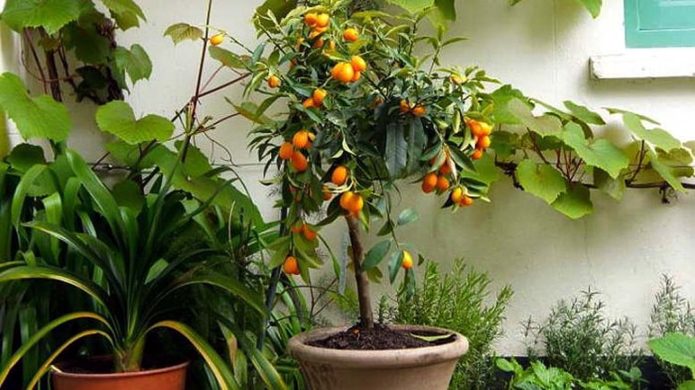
(542, 47)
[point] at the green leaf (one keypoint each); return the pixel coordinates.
(396, 151)
(278, 8)
(667, 172)
(226, 57)
(118, 119)
(600, 153)
(376, 254)
(224, 282)
(413, 6)
(584, 114)
(575, 203)
(541, 180)
(675, 348)
(251, 112)
(180, 32)
(20, 193)
(25, 156)
(407, 216)
(125, 10)
(615, 188)
(502, 96)
(543, 125)
(656, 137)
(593, 6)
(128, 194)
(40, 117)
(49, 14)
(135, 62)
(687, 385)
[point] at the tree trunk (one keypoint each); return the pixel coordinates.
(364, 299)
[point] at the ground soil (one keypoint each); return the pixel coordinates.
(381, 337)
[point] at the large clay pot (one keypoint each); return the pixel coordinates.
(428, 368)
(168, 378)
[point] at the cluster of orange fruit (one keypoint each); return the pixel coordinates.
(417, 110)
(316, 99)
(439, 181)
(318, 22)
(351, 202)
(349, 72)
(305, 230)
(481, 131)
(292, 151)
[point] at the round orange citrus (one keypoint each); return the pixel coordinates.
(286, 151)
(339, 175)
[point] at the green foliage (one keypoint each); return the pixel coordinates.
(49, 14)
(578, 338)
(459, 300)
(134, 62)
(118, 119)
(675, 348)
(540, 377)
(180, 32)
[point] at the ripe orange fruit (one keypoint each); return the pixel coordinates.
(484, 142)
(356, 76)
(308, 232)
(358, 64)
(407, 260)
(356, 204)
(457, 195)
(310, 19)
(485, 129)
(296, 229)
(429, 182)
(466, 201)
(445, 169)
(216, 39)
(343, 72)
(308, 103)
(476, 128)
(327, 195)
(339, 175)
(405, 106)
(346, 199)
(299, 161)
(317, 32)
(318, 96)
(419, 111)
(477, 155)
(290, 266)
(351, 34)
(286, 151)
(274, 81)
(318, 43)
(442, 183)
(300, 140)
(322, 20)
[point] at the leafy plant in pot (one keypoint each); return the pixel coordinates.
(363, 113)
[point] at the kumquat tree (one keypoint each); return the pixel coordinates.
(364, 109)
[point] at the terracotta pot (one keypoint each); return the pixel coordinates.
(428, 368)
(168, 378)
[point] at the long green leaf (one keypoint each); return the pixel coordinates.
(217, 365)
(231, 285)
(20, 193)
(41, 333)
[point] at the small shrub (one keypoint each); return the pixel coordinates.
(671, 313)
(578, 338)
(460, 301)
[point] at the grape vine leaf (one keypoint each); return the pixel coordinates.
(598, 153)
(135, 62)
(40, 117)
(118, 119)
(180, 32)
(541, 180)
(658, 138)
(575, 202)
(49, 14)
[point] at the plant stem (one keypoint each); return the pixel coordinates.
(129, 359)
(363, 296)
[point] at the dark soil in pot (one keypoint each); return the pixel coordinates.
(381, 337)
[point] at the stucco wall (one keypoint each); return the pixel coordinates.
(542, 47)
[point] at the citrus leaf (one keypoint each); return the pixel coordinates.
(407, 216)
(40, 117)
(541, 180)
(600, 153)
(180, 32)
(226, 57)
(49, 14)
(413, 6)
(575, 203)
(376, 254)
(118, 119)
(135, 62)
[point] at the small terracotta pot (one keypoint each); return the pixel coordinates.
(428, 368)
(168, 378)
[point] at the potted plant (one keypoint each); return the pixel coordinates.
(363, 112)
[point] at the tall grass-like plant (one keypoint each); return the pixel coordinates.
(459, 300)
(578, 338)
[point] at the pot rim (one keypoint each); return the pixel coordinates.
(386, 358)
(55, 370)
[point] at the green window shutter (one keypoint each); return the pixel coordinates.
(660, 23)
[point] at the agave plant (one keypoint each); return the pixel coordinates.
(137, 282)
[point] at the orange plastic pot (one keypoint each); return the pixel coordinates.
(168, 378)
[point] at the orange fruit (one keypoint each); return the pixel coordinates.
(322, 20)
(356, 76)
(358, 64)
(308, 103)
(310, 19)
(445, 169)
(407, 260)
(308, 232)
(351, 34)
(476, 128)
(346, 199)
(318, 44)
(290, 266)
(457, 195)
(318, 96)
(429, 182)
(274, 81)
(301, 139)
(216, 39)
(405, 106)
(339, 175)
(327, 195)
(296, 229)
(485, 129)
(442, 183)
(343, 72)
(477, 155)
(286, 151)
(317, 32)
(466, 201)
(484, 142)
(299, 161)
(419, 111)
(356, 204)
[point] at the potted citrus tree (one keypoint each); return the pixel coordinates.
(363, 113)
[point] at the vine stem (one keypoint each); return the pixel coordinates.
(363, 296)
